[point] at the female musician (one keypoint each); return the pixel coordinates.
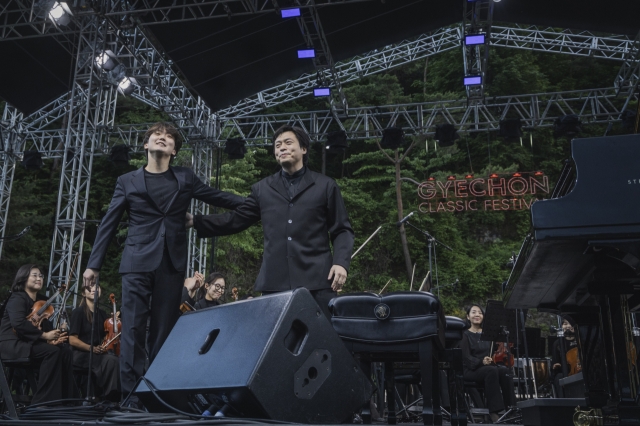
(479, 367)
(211, 292)
(20, 338)
(571, 355)
(106, 371)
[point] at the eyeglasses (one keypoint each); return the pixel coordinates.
(218, 287)
(38, 276)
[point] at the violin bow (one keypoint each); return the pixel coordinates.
(66, 293)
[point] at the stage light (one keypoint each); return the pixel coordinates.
(290, 13)
(306, 53)
(120, 154)
(321, 92)
(567, 125)
(474, 39)
(106, 60)
(538, 173)
(472, 80)
(431, 179)
(392, 137)
(452, 177)
(510, 128)
(516, 174)
(446, 134)
(337, 141)
(235, 148)
(628, 118)
(127, 85)
(60, 14)
(32, 160)
(493, 176)
(469, 176)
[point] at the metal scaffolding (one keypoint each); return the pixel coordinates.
(477, 20)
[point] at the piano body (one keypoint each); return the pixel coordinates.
(582, 260)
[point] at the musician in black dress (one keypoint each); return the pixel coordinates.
(105, 368)
(19, 338)
(209, 295)
(479, 367)
(571, 356)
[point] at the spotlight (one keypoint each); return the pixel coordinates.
(106, 60)
(469, 176)
(337, 141)
(306, 53)
(392, 137)
(431, 179)
(472, 80)
(60, 14)
(321, 91)
(127, 85)
(516, 174)
(235, 148)
(628, 118)
(510, 128)
(446, 134)
(32, 160)
(290, 13)
(474, 39)
(567, 125)
(120, 154)
(452, 177)
(493, 176)
(538, 173)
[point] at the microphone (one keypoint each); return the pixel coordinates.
(404, 219)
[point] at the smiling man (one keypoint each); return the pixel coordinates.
(302, 212)
(154, 260)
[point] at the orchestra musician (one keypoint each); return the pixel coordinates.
(20, 338)
(303, 217)
(479, 367)
(106, 371)
(154, 259)
(571, 355)
(209, 295)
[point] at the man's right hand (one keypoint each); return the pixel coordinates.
(188, 221)
(89, 277)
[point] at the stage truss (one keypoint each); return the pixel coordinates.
(88, 110)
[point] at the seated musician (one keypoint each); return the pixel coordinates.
(209, 295)
(20, 338)
(479, 367)
(190, 291)
(105, 368)
(571, 356)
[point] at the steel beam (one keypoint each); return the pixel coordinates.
(202, 160)
(477, 19)
(8, 157)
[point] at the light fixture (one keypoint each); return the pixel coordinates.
(120, 154)
(392, 137)
(32, 160)
(510, 128)
(321, 91)
(452, 177)
(431, 179)
(517, 174)
(337, 141)
(493, 176)
(306, 53)
(60, 14)
(538, 173)
(567, 125)
(446, 134)
(235, 148)
(127, 85)
(474, 39)
(106, 60)
(472, 80)
(469, 176)
(290, 13)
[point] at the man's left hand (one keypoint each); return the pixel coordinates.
(339, 275)
(188, 221)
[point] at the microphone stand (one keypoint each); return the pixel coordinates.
(367, 241)
(431, 241)
(96, 307)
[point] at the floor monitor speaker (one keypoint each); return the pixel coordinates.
(274, 357)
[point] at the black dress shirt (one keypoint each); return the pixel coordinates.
(291, 182)
(81, 327)
(473, 350)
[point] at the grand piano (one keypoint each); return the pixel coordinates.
(582, 260)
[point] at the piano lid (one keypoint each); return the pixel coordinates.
(557, 262)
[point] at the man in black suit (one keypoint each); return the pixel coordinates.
(154, 260)
(301, 211)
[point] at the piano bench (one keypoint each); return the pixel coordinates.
(400, 326)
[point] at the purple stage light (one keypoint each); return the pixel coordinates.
(474, 39)
(321, 91)
(290, 13)
(306, 53)
(472, 80)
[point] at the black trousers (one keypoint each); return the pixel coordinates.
(153, 294)
(105, 369)
(498, 385)
(322, 298)
(55, 377)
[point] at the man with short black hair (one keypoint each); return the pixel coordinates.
(301, 212)
(154, 260)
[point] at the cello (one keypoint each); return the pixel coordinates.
(112, 327)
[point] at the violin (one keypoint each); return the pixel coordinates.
(112, 327)
(43, 310)
(234, 293)
(503, 355)
(186, 307)
(573, 361)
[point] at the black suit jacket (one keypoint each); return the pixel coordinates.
(17, 334)
(296, 231)
(149, 227)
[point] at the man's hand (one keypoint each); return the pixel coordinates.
(194, 283)
(339, 275)
(89, 277)
(189, 221)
